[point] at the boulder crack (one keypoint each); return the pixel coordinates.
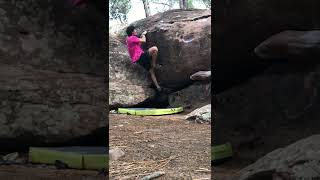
(186, 20)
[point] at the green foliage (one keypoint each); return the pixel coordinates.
(190, 4)
(168, 4)
(118, 10)
(207, 3)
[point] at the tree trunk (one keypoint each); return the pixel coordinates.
(146, 7)
(183, 4)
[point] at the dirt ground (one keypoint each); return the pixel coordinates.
(227, 170)
(160, 143)
(22, 172)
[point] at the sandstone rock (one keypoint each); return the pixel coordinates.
(202, 114)
(194, 96)
(183, 38)
(128, 83)
(268, 111)
(55, 106)
(201, 76)
(299, 160)
(242, 25)
(11, 157)
(291, 45)
(52, 73)
(115, 154)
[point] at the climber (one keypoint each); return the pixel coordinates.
(146, 59)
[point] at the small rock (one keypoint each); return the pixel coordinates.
(151, 145)
(202, 114)
(113, 112)
(115, 154)
(12, 157)
(201, 76)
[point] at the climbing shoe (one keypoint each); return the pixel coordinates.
(159, 89)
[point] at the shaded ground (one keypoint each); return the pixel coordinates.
(22, 172)
(227, 170)
(168, 143)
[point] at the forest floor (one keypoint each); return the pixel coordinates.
(45, 172)
(179, 148)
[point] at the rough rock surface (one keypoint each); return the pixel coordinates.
(194, 96)
(51, 72)
(129, 84)
(202, 114)
(201, 76)
(183, 38)
(241, 25)
(270, 110)
(296, 161)
(115, 154)
(291, 45)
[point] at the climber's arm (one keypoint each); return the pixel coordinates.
(143, 37)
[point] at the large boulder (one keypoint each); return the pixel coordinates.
(54, 107)
(296, 161)
(241, 25)
(129, 84)
(194, 96)
(183, 38)
(52, 72)
(291, 45)
(270, 110)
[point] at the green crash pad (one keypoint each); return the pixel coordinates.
(221, 152)
(77, 157)
(149, 111)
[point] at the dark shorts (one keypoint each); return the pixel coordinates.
(145, 60)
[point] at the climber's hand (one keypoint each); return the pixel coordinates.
(144, 33)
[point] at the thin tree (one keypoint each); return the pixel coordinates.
(146, 7)
(183, 4)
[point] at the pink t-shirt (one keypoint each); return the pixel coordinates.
(135, 51)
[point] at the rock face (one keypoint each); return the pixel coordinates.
(263, 105)
(194, 96)
(129, 84)
(183, 38)
(52, 74)
(200, 114)
(296, 161)
(270, 110)
(291, 45)
(242, 25)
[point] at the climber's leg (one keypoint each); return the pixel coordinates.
(153, 52)
(154, 79)
(146, 62)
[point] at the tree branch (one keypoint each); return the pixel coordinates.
(161, 3)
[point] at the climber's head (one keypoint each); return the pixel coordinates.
(131, 30)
